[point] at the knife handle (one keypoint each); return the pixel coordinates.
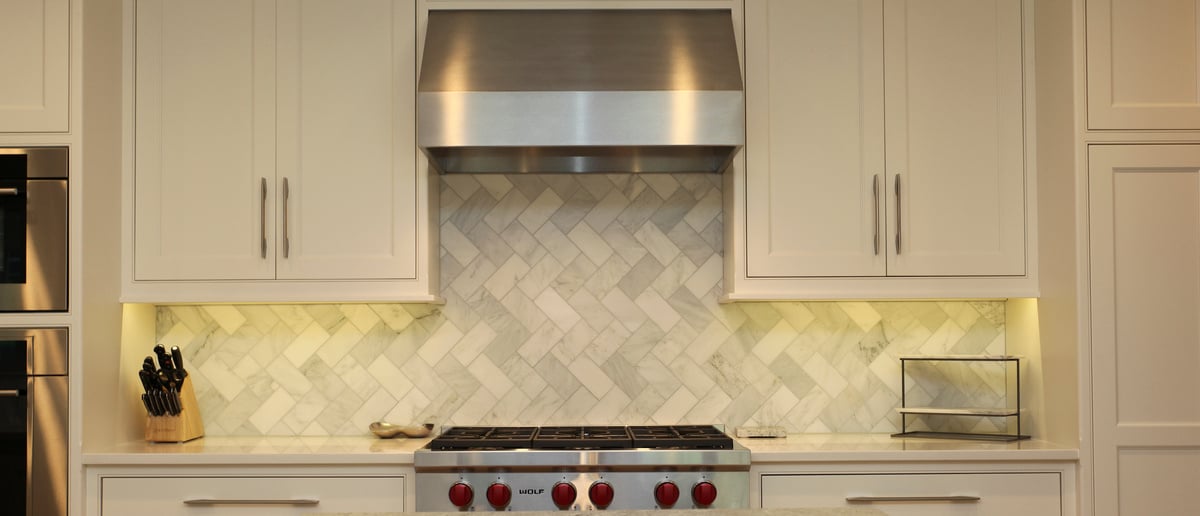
(177, 361)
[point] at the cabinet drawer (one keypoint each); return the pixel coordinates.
(1028, 494)
(246, 496)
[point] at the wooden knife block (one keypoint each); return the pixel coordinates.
(177, 429)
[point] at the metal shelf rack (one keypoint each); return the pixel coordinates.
(1013, 411)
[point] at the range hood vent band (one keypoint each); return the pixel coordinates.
(553, 91)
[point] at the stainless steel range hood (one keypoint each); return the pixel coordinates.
(551, 91)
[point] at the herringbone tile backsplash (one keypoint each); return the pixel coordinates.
(581, 300)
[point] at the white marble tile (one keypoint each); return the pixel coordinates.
(306, 344)
(557, 309)
(227, 316)
(440, 343)
(226, 383)
(540, 210)
(272, 411)
(657, 309)
(473, 276)
(506, 276)
(608, 409)
(541, 275)
(523, 310)
(592, 377)
(825, 375)
(394, 316)
(373, 409)
(390, 377)
(705, 210)
(556, 243)
(664, 185)
(506, 211)
(676, 407)
(339, 344)
(361, 316)
(474, 342)
(708, 408)
(624, 309)
(496, 184)
(590, 243)
(775, 341)
(623, 243)
(606, 210)
(490, 376)
(293, 316)
(657, 243)
(288, 377)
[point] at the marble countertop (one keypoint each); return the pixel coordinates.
(371, 450)
(816, 511)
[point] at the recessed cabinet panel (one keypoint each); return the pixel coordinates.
(955, 138)
(249, 496)
(346, 94)
(1144, 203)
(204, 141)
(35, 50)
(1142, 64)
(815, 161)
(984, 494)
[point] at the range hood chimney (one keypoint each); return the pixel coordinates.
(602, 91)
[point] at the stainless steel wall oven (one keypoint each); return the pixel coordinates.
(33, 421)
(33, 229)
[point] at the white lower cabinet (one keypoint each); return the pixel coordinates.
(163, 494)
(924, 494)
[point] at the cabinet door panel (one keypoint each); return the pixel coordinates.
(1145, 281)
(205, 139)
(998, 494)
(35, 49)
(955, 136)
(814, 110)
(346, 133)
(1142, 64)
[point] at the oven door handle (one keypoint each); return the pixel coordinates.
(10, 393)
(9, 192)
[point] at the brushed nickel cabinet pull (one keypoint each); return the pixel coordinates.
(262, 217)
(886, 499)
(287, 243)
(899, 226)
(875, 212)
(295, 502)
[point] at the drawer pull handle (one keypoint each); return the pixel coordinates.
(886, 499)
(298, 502)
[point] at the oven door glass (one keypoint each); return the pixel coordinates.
(14, 200)
(14, 443)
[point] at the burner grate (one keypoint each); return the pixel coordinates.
(483, 438)
(582, 438)
(691, 437)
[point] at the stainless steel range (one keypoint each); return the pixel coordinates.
(582, 468)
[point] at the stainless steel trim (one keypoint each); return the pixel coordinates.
(46, 208)
(47, 445)
(262, 220)
(609, 90)
(875, 212)
(578, 460)
(887, 499)
(297, 502)
(899, 225)
(10, 192)
(9, 393)
(46, 349)
(42, 162)
(287, 242)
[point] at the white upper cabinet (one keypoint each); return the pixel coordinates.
(275, 140)
(885, 153)
(1142, 64)
(35, 39)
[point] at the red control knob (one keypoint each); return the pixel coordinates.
(563, 494)
(666, 494)
(704, 493)
(499, 495)
(601, 494)
(461, 494)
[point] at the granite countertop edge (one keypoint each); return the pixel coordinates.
(364, 450)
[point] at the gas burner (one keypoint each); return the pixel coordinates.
(689, 437)
(483, 438)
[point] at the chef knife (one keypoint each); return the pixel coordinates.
(177, 361)
(152, 392)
